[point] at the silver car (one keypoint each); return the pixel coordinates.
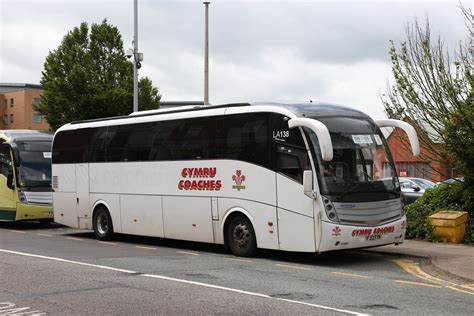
(413, 188)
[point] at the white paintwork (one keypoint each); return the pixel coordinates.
(291, 196)
(142, 215)
(64, 208)
(410, 130)
(324, 138)
(296, 231)
(67, 181)
(347, 241)
(82, 190)
(188, 218)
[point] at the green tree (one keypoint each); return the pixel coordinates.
(435, 93)
(148, 96)
(88, 76)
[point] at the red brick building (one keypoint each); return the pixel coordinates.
(427, 165)
(16, 106)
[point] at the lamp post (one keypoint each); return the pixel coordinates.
(136, 61)
(206, 54)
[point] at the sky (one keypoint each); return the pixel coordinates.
(329, 51)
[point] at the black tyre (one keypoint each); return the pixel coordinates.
(46, 221)
(241, 237)
(102, 224)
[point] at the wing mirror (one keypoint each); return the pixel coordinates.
(416, 188)
(308, 183)
(10, 184)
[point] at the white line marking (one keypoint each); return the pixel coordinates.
(161, 277)
(45, 235)
(188, 253)
(146, 248)
(291, 266)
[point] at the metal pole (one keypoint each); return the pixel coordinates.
(206, 54)
(135, 56)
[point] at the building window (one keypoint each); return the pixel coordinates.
(37, 118)
(414, 169)
(11, 118)
(36, 101)
(5, 120)
(5, 103)
(12, 102)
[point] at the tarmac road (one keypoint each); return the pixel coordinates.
(56, 270)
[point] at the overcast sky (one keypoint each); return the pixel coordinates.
(332, 51)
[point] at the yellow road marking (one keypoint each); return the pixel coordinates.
(353, 275)
(459, 290)
(419, 283)
(240, 260)
(17, 231)
(291, 266)
(107, 243)
(188, 253)
(147, 248)
(46, 235)
(468, 286)
(74, 238)
(414, 269)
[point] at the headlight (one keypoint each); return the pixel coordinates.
(330, 210)
(22, 196)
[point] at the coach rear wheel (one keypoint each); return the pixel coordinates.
(102, 223)
(241, 237)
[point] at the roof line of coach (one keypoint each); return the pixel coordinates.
(178, 110)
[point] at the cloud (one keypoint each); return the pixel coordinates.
(335, 51)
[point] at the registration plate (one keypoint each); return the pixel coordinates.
(373, 237)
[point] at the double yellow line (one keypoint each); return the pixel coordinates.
(414, 269)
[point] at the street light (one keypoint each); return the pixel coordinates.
(137, 57)
(206, 54)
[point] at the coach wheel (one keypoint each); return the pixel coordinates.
(102, 223)
(241, 237)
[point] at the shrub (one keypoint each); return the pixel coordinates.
(447, 196)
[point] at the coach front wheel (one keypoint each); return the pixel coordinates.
(102, 223)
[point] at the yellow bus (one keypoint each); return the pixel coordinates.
(25, 175)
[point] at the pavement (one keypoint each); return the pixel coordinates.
(456, 260)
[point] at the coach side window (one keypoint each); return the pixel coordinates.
(72, 146)
(246, 138)
(291, 154)
(97, 147)
(130, 142)
(189, 139)
(200, 138)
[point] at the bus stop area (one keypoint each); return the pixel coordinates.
(453, 259)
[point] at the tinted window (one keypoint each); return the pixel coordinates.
(190, 139)
(288, 144)
(130, 142)
(72, 146)
(246, 138)
(97, 147)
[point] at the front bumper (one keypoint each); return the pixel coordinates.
(337, 237)
(32, 212)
